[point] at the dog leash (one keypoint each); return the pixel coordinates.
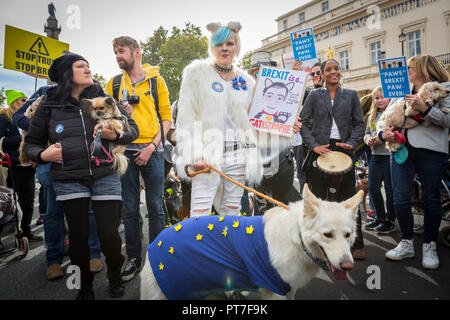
(97, 148)
(209, 168)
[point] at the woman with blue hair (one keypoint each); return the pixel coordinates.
(213, 127)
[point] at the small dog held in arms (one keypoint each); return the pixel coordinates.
(105, 111)
(278, 252)
(430, 92)
(29, 113)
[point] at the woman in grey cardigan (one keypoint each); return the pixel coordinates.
(337, 125)
(379, 168)
(428, 156)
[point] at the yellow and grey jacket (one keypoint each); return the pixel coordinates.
(144, 113)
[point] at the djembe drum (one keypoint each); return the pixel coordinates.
(335, 165)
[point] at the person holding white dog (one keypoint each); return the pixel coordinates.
(213, 127)
(427, 155)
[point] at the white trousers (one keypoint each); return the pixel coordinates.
(206, 185)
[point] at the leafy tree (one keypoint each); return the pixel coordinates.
(151, 48)
(100, 79)
(173, 53)
(245, 62)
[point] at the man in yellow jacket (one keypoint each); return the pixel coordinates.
(145, 154)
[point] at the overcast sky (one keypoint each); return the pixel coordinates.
(101, 21)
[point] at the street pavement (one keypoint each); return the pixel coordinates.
(374, 278)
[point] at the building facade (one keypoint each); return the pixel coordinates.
(362, 31)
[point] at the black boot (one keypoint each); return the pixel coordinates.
(85, 294)
(116, 288)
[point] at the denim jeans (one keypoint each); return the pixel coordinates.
(380, 171)
(54, 228)
(153, 175)
(430, 166)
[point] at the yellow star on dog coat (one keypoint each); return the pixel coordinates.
(199, 237)
(235, 224)
(161, 266)
(177, 227)
(159, 243)
(224, 232)
(220, 218)
(210, 226)
(171, 250)
(250, 229)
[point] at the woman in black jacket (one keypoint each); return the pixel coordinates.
(61, 132)
(23, 175)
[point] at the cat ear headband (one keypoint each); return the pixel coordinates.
(233, 25)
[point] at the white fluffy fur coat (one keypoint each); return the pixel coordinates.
(201, 119)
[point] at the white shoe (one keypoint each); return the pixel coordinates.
(430, 259)
(404, 249)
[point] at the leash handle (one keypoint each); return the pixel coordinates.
(259, 194)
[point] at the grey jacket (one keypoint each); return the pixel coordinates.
(434, 137)
(346, 111)
(371, 131)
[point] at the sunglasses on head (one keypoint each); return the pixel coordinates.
(317, 73)
(23, 100)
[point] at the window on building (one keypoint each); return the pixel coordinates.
(375, 52)
(301, 17)
(414, 47)
(324, 6)
(343, 60)
(285, 24)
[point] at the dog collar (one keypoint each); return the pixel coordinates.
(320, 262)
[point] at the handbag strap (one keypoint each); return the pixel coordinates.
(154, 91)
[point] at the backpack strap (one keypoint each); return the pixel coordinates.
(154, 91)
(116, 86)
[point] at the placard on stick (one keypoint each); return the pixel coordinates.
(394, 77)
(277, 100)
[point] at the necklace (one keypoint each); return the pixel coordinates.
(222, 69)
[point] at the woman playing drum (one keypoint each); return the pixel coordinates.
(337, 125)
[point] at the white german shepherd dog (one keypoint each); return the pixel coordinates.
(311, 233)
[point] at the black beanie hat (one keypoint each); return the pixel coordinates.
(61, 64)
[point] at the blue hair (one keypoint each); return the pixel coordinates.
(221, 35)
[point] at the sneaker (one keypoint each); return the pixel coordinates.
(404, 249)
(54, 271)
(372, 225)
(95, 265)
(132, 267)
(385, 227)
(32, 237)
(430, 259)
(40, 220)
(371, 215)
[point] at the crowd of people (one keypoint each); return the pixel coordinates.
(211, 128)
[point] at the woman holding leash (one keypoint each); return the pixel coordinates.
(213, 127)
(338, 126)
(427, 155)
(60, 121)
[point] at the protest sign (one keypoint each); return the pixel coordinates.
(30, 52)
(277, 100)
(394, 77)
(303, 48)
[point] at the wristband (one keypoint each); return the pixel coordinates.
(154, 144)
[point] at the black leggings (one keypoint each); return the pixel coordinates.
(107, 219)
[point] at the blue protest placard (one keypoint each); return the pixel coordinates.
(394, 77)
(303, 45)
